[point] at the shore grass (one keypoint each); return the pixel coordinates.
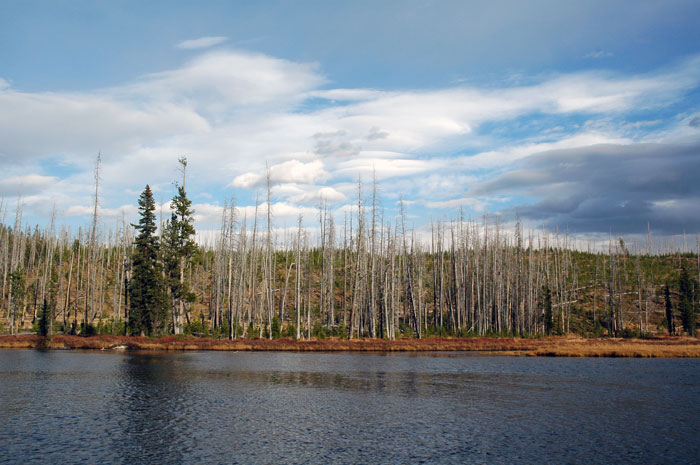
(556, 346)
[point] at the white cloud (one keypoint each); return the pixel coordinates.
(280, 210)
(247, 180)
(202, 42)
(324, 194)
(207, 214)
(82, 210)
(346, 94)
(385, 168)
(25, 185)
(78, 210)
(296, 171)
(81, 124)
(216, 80)
(292, 171)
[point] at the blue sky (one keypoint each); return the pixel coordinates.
(581, 116)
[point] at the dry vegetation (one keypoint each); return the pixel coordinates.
(548, 346)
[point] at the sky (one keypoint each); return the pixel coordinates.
(573, 116)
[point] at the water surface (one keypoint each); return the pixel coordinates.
(247, 407)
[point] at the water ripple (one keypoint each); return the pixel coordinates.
(192, 408)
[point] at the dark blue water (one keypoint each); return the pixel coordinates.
(91, 407)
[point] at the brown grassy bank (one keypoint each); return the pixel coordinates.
(549, 346)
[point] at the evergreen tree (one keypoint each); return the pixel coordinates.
(147, 314)
(18, 286)
(548, 315)
(45, 320)
(687, 288)
(669, 311)
(179, 249)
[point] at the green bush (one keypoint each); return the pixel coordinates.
(340, 331)
(276, 328)
(196, 328)
(598, 330)
(89, 331)
(216, 333)
(109, 327)
(628, 333)
(407, 331)
(252, 333)
(319, 331)
(466, 332)
(291, 331)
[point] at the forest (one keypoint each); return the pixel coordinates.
(369, 277)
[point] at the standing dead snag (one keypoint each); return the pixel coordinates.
(268, 264)
(89, 296)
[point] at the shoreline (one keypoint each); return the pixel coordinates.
(553, 346)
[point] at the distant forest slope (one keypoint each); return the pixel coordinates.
(364, 278)
(480, 284)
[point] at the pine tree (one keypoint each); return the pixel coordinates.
(45, 320)
(547, 304)
(179, 249)
(669, 311)
(148, 306)
(18, 287)
(687, 287)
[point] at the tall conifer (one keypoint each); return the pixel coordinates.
(548, 314)
(179, 249)
(687, 290)
(148, 311)
(669, 311)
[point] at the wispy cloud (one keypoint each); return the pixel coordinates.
(202, 42)
(598, 54)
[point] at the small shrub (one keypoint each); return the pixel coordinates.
(291, 331)
(276, 328)
(196, 328)
(319, 332)
(466, 332)
(407, 331)
(118, 327)
(629, 333)
(90, 330)
(340, 331)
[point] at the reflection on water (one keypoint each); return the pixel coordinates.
(156, 408)
(150, 411)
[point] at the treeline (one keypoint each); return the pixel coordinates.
(366, 277)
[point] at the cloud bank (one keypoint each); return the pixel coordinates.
(592, 151)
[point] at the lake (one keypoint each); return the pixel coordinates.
(253, 407)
